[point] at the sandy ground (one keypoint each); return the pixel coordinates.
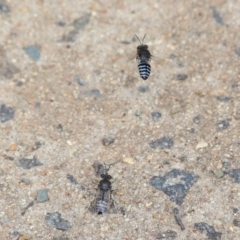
(67, 81)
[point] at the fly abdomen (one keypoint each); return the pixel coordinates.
(101, 207)
(144, 70)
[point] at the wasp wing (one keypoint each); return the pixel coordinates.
(162, 61)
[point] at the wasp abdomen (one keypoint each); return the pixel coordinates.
(144, 70)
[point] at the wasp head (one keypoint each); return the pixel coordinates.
(142, 47)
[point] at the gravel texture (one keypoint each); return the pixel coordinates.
(71, 96)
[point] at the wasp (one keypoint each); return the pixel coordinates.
(103, 200)
(143, 57)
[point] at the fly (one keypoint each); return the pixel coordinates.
(104, 197)
(103, 200)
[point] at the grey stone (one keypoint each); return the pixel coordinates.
(222, 125)
(4, 8)
(56, 221)
(175, 184)
(156, 115)
(217, 16)
(210, 231)
(34, 52)
(42, 195)
(162, 143)
(78, 24)
(138, 112)
(223, 98)
(143, 89)
(167, 235)
(238, 53)
(197, 119)
(218, 173)
(236, 222)
(79, 80)
(26, 181)
(178, 218)
(235, 174)
(27, 163)
(181, 76)
(107, 141)
(6, 113)
(74, 181)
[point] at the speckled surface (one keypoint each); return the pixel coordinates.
(65, 70)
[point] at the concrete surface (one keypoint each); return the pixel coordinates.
(65, 71)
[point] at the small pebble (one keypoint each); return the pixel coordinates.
(167, 235)
(125, 42)
(82, 21)
(162, 143)
(6, 113)
(138, 112)
(107, 141)
(218, 173)
(235, 210)
(201, 145)
(178, 219)
(197, 119)
(128, 160)
(60, 23)
(236, 222)
(156, 115)
(4, 8)
(13, 147)
(217, 16)
(143, 89)
(223, 125)
(235, 174)
(56, 221)
(60, 127)
(42, 195)
(93, 92)
(38, 105)
(34, 52)
(182, 76)
(238, 53)
(79, 80)
(72, 179)
(223, 98)
(26, 181)
(226, 165)
(27, 163)
(211, 233)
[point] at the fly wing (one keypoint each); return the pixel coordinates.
(131, 55)
(102, 203)
(162, 61)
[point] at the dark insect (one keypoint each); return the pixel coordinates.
(104, 197)
(103, 200)
(143, 57)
